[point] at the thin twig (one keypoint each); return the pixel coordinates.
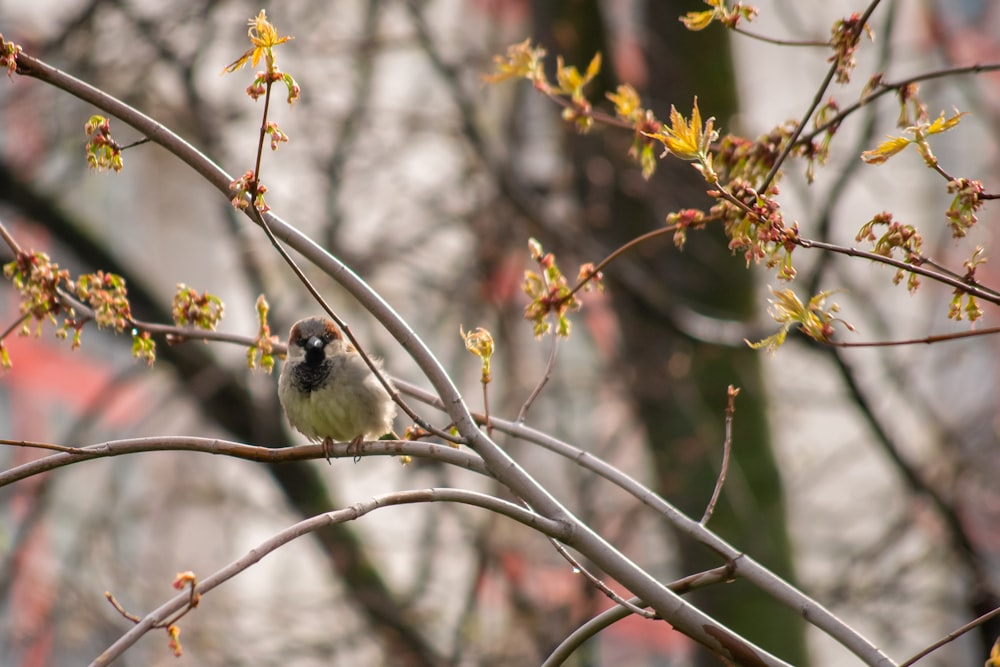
(951, 636)
(173, 333)
(194, 597)
(917, 258)
(778, 41)
(927, 340)
(15, 324)
(137, 142)
(542, 381)
(727, 446)
(11, 242)
(263, 133)
(486, 409)
(598, 584)
(642, 238)
(614, 614)
(885, 88)
(845, 175)
(817, 99)
(578, 568)
(119, 608)
(985, 294)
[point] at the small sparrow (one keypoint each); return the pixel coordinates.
(327, 390)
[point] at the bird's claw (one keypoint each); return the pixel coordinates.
(354, 447)
(328, 449)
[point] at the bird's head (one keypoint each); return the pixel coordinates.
(313, 339)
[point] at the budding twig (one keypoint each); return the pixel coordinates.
(727, 446)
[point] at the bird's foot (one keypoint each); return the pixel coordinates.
(328, 449)
(354, 447)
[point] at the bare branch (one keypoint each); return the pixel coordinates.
(611, 616)
(542, 381)
(951, 636)
(496, 505)
(68, 455)
(742, 565)
(778, 41)
(598, 584)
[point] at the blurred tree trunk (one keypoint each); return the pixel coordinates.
(678, 384)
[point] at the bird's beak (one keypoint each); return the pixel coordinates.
(314, 343)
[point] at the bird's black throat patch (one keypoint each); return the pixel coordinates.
(312, 372)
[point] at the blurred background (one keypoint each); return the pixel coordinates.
(865, 476)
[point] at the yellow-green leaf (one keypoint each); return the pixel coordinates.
(626, 101)
(698, 20)
(593, 68)
(942, 124)
(771, 343)
(886, 150)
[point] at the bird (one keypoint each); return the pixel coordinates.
(327, 390)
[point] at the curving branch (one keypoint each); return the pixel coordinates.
(69, 455)
(742, 564)
(610, 616)
(355, 511)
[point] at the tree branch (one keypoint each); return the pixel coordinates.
(69, 455)
(742, 564)
(356, 511)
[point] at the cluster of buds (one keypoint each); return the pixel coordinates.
(194, 309)
(258, 87)
(261, 353)
(550, 292)
(103, 152)
(247, 188)
(896, 236)
(8, 56)
(46, 292)
(106, 294)
(845, 35)
(961, 214)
